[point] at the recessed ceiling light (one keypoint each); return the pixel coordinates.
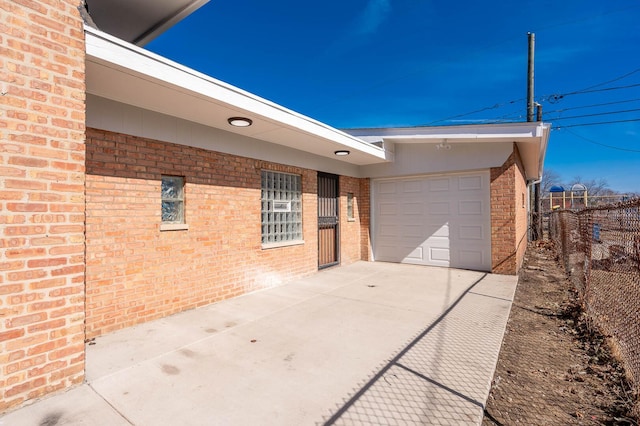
(342, 152)
(240, 121)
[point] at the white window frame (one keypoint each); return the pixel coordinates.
(350, 207)
(180, 223)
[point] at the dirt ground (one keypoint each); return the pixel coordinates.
(554, 369)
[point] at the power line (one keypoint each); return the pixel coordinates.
(476, 111)
(553, 99)
(590, 106)
(602, 144)
(595, 123)
(557, 97)
(610, 81)
(593, 115)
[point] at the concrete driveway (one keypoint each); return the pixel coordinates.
(369, 343)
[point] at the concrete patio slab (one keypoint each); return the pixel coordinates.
(369, 343)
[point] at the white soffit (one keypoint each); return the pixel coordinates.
(531, 138)
(140, 21)
(125, 73)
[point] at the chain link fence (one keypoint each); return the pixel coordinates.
(600, 249)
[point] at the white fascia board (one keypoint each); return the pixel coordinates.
(531, 137)
(118, 54)
(545, 131)
(507, 132)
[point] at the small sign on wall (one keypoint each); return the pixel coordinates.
(281, 206)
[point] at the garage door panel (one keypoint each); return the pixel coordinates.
(417, 254)
(403, 254)
(439, 184)
(471, 232)
(413, 208)
(412, 186)
(439, 208)
(388, 231)
(434, 220)
(439, 255)
(468, 207)
(390, 209)
(387, 188)
(470, 183)
(437, 231)
(412, 233)
(471, 257)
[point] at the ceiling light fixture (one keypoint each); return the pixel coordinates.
(342, 152)
(240, 121)
(443, 145)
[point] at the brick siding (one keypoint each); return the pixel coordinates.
(522, 220)
(42, 116)
(351, 230)
(137, 273)
(508, 216)
(364, 215)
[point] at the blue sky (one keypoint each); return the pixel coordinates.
(378, 63)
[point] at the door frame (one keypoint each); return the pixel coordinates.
(328, 221)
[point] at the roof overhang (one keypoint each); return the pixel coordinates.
(530, 137)
(125, 73)
(140, 21)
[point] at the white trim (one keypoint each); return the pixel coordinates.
(122, 60)
(268, 246)
(174, 227)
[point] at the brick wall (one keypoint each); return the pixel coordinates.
(351, 230)
(136, 273)
(364, 216)
(508, 215)
(42, 116)
(522, 222)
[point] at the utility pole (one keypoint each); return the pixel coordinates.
(536, 216)
(530, 76)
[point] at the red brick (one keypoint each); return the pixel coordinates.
(11, 288)
(54, 282)
(31, 274)
(24, 230)
(12, 171)
(11, 266)
(68, 351)
(48, 368)
(23, 207)
(11, 334)
(43, 263)
(25, 253)
(26, 320)
(43, 326)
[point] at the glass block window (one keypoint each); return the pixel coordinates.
(281, 207)
(172, 199)
(350, 205)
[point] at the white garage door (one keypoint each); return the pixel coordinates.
(442, 220)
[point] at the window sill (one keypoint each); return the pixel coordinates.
(353, 219)
(174, 227)
(282, 244)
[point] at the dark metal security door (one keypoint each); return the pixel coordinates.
(328, 231)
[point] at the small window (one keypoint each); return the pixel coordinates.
(350, 206)
(172, 200)
(281, 208)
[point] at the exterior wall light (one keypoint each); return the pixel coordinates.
(240, 121)
(443, 145)
(342, 152)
